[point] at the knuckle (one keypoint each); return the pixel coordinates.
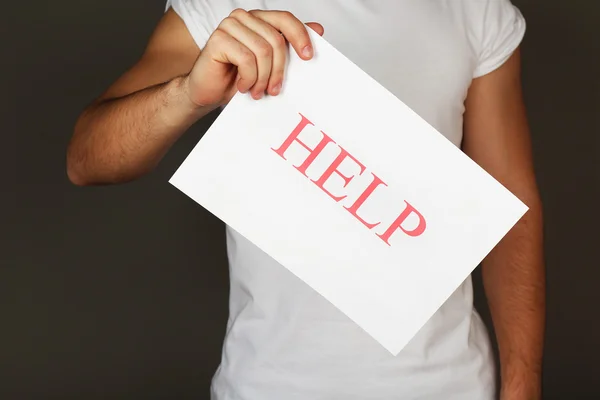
(261, 84)
(263, 49)
(279, 40)
(277, 76)
(227, 23)
(238, 13)
(247, 57)
(218, 36)
(302, 40)
(275, 81)
(287, 15)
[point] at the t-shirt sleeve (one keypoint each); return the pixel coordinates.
(502, 31)
(198, 16)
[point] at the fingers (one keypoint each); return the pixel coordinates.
(291, 27)
(255, 42)
(273, 38)
(316, 27)
(229, 50)
(261, 48)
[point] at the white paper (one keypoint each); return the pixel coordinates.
(390, 290)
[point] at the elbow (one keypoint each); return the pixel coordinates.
(74, 171)
(76, 178)
(93, 162)
(75, 159)
(82, 172)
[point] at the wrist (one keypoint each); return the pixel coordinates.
(178, 112)
(519, 383)
(531, 392)
(183, 86)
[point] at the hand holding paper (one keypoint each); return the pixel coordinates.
(366, 203)
(247, 52)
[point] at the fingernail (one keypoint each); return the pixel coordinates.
(277, 88)
(307, 51)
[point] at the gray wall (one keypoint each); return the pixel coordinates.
(121, 292)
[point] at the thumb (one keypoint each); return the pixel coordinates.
(316, 27)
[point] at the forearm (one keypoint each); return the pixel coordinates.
(118, 140)
(514, 281)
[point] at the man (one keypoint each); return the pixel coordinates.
(457, 64)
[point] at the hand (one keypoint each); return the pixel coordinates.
(247, 53)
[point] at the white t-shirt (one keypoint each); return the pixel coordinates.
(286, 342)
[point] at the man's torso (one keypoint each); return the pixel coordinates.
(283, 340)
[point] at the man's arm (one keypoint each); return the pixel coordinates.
(124, 133)
(127, 131)
(497, 138)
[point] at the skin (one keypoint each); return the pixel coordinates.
(129, 128)
(125, 133)
(497, 137)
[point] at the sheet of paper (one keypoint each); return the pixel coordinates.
(364, 201)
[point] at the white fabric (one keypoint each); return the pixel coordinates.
(283, 340)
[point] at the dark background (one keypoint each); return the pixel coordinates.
(121, 292)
